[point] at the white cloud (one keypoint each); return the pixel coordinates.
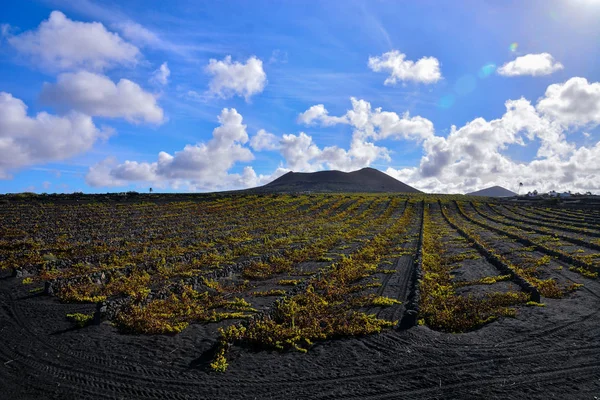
(138, 34)
(425, 70)
(203, 166)
(26, 141)
(62, 44)
(161, 75)
(531, 64)
(369, 123)
(474, 156)
(97, 95)
(470, 157)
(302, 154)
(264, 140)
(573, 103)
(235, 78)
(318, 114)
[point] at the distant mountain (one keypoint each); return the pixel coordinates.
(366, 180)
(494, 191)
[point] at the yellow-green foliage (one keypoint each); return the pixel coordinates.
(545, 260)
(381, 301)
(309, 316)
(262, 270)
(272, 292)
(467, 255)
(85, 292)
(326, 309)
(535, 304)
(210, 283)
(289, 282)
(239, 304)
(220, 363)
(27, 281)
(135, 286)
(79, 319)
(548, 287)
(489, 280)
(441, 308)
(584, 272)
(173, 314)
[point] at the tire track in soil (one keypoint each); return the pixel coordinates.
(590, 369)
(397, 285)
(75, 370)
(107, 382)
(456, 368)
(95, 381)
(91, 375)
(544, 333)
(82, 356)
(453, 366)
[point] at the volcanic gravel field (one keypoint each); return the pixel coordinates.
(549, 351)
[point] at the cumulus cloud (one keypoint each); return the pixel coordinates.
(63, 44)
(531, 64)
(264, 140)
(469, 157)
(203, 166)
(371, 123)
(97, 95)
(138, 34)
(474, 156)
(100, 174)
(318, 114)
(161, 75)
(425, 70)
(302, 154)
(26, 141)
(573, 103)
(235, 78)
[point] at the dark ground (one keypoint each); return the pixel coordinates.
(546, 352)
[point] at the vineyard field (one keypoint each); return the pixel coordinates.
(319, 296)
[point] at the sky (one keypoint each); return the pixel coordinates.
(192, 96)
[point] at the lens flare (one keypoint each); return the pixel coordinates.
(465, 84)
(487, 70)
(513, 46)
(446, 101)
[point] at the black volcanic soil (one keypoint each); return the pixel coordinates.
(545, 352)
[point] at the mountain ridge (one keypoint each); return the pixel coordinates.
(493, 191)
(368, 180)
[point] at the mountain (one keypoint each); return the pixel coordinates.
(494, 191)
(363, 180)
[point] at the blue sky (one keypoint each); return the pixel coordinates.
(422, 62)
